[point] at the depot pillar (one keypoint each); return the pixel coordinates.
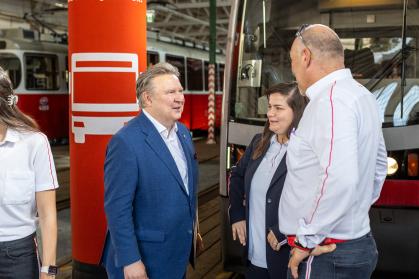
(107, 50)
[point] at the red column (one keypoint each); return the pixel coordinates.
(107, 50)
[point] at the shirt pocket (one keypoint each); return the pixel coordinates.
(19, 187)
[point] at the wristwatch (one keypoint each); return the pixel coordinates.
(51, 270)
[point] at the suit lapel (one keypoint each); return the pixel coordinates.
(157, 144)
(186, 151)
(280, 170)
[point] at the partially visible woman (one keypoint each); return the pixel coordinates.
(256, 185)
(27, 188)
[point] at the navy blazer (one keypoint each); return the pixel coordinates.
(149, 214)
(240, 183)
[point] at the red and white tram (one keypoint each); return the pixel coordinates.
(39, 73)
(376, 50)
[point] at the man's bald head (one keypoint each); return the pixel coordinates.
(323, 41)
(315, 53)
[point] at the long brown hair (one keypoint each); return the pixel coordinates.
(295, 101)
(10, 115)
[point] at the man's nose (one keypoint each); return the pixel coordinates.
(180, 97)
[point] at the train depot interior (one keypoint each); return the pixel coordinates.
(249, 53)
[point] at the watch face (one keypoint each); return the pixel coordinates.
(52, 270)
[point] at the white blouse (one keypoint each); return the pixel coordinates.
(26, 167)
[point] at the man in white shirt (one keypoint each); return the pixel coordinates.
(336, 162)
(151, 175)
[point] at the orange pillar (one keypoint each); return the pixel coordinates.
(107, 50)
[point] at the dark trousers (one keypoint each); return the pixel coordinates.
(353, 259)
(19, 259)
(255, 272)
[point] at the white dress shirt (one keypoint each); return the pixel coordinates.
(257, 201)
(26, 167)
(172, 142)
(336, 162)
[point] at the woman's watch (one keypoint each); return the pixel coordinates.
(51, 270)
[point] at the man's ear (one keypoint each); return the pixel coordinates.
(306, 53)
(147, 100)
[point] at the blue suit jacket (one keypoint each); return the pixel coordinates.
(240, 183)
(150, 216)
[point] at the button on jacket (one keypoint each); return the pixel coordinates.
(336, 163)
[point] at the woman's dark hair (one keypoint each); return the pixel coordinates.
(295, 101)
(10, 115)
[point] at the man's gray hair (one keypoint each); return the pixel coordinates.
(144, 81)
(324, 40)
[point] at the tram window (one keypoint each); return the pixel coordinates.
(366, 57)
(194, 70)
(217, 76)
(152, 58)
(178, 62)
(11, 64)
(41, 72)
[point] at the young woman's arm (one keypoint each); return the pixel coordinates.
(45, 202)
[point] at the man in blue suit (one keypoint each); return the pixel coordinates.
(151, 176)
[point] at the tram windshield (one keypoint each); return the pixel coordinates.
(373, 52)
(11, 64)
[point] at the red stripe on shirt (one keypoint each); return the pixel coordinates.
(49, 159)
(330, 153)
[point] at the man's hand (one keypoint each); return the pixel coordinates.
(298, 255)
(273, 241)
(135, 271)
(239, 231)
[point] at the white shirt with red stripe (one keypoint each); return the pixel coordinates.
(336, 161)
(26, 167)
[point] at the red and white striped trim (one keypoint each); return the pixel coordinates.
(49, 159)
(308, 267)
(37, 256)
(330, 152)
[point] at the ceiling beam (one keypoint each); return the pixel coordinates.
(187, 17)
(183, 23)
(197, 5)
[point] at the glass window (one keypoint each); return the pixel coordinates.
(178, 62)
(194, 70)
(372, 52)
(152, 58)
(41, 72)
(11, 64)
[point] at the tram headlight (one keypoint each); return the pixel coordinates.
(392, 166)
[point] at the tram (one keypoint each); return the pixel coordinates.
(381, 48)
(39, 73)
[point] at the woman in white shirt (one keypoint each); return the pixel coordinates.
(27, 190)
(256, 185)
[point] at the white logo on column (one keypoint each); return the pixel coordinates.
(100, 125)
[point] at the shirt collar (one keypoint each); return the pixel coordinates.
(319, 85)
(11, 136)
(274, 141)
(160, 127)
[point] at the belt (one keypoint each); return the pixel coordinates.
(326, 241)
